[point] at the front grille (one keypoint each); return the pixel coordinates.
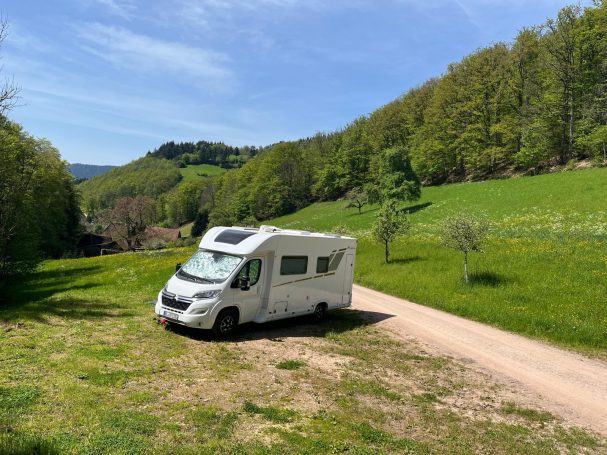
(176, 302)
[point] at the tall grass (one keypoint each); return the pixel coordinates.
(545, 267)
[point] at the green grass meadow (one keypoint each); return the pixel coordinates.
(192, 171)
(86, 370)
(544, 270)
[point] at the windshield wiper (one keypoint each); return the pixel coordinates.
(194, 278)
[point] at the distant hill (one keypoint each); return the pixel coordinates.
(147, 176)
(87, 171)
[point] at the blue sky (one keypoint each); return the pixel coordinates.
(108, 80)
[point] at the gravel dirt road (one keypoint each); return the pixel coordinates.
(562, 382)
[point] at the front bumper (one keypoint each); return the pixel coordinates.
(197, 315)
(198, 321)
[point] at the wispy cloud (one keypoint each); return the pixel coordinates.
(121, 8)
(202, 12)
(125, 48)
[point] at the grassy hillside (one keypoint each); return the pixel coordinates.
(197, 171)
(86, 370)
(543, 273)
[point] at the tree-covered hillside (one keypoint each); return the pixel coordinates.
(204, 152)
(146, 176)
(534, 105)
(523, 107)
(87, 171)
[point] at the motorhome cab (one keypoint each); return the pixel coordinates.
(247, 274)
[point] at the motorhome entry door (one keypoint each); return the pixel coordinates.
(346, 293)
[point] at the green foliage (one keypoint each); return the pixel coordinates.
(466, 234)
(204, 152)
(39, 213)
(397, 180)
(143, 177)
(182, 203)
(200, 223)
(389, 224)
(358, 198)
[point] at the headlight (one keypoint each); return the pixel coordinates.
(207, 294)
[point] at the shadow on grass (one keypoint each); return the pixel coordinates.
(408, 260)
(67, 308)
(489, 279)
(416, 208)
(338, 321)
(44, 284)
(34, 297)
(362, 212)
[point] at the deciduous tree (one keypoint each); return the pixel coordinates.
(128, 219)
(466, 234)
(390, 223)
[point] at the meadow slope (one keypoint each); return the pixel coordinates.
(86, 370)
(544, 270)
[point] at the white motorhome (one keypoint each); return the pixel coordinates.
(241, 275)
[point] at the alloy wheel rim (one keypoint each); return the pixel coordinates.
(227, 323)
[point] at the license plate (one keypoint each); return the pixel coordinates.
(170, 314)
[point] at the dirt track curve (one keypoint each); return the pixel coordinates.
(559, 381)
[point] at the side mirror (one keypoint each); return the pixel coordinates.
(244, 283)
(177, 266)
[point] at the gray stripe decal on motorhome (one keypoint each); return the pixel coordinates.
(304, 279)
(335, 261)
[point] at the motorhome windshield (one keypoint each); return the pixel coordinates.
(209, 266)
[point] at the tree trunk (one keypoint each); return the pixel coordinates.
(387, 253)
(571, 117)
(466, 266)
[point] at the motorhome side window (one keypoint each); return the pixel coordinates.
(252, 270)
(322, 265)
(294, 265)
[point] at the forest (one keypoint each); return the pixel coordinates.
(204, 152)
(537, 104)
(39, 203)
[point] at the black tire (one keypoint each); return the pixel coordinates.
(225, 323)
(319, 312)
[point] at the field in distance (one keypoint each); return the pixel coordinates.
(544, 272)
(86, 370)
(196, 171)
